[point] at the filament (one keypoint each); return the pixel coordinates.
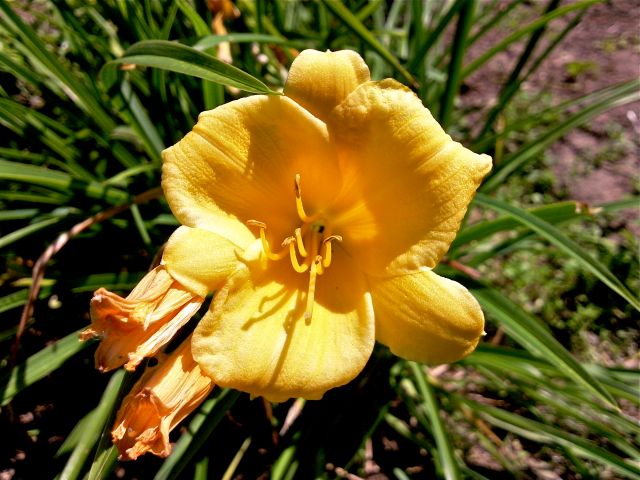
(301, 249)
(311, 292)
(299, 207)
(293, 256)
(326, 260)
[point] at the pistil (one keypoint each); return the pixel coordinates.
(311, 291)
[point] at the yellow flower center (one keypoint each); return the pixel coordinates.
(311, 241)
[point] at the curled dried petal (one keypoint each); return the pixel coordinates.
(162, 398)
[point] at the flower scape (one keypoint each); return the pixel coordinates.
(316, 218)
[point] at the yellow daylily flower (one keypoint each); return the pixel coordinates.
(333, 203)
(162, 398)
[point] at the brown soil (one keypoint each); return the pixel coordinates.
(603, 50)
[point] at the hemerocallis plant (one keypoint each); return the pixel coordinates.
(317, 218)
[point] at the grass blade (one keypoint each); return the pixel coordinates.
(351, 21)
(19, 298)
(529, 371)
(527, 29)
(39, 365)
(513, 83)
(565, 244)
(424, 46)
(457, 54)
(103, 463)
(200, 428)
(614, 93)
(553, 213)
(60, 181)
(179, 58)
(83, 97)
(23, 232)
(94, 427)
(540, 432)
(625, 93)
(536, 338)
(430, 403)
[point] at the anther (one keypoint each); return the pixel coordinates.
(311, 292)
(256, 223)
(265, 243)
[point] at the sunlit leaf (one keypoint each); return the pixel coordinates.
(179, 58)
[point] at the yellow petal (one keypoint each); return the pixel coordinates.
(321, 80)
(239, 163)
(255, 337)
(199, 260)
(425, 317)
(136, 327)
(161, 399)
(407, 185)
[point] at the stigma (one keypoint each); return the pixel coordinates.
(309, 248)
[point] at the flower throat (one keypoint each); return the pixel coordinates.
(311, 241)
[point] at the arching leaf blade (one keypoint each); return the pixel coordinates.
(564, 243)
(179, 58)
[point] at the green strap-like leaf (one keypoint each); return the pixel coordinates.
(200, 428)
(445, 448)
(527, 29)
(39, 365)
(82, 95)
(422, 47)
(455, 64)
(532, 335)
(524, 369)
(19, 298)
(179, 58)
(564, 243)
(60, 181)
(539, 432)
(554, 213)
(30, 229)
(94, 427)
(209, 41)
(351, 21)
(624, 93)
(550, 213)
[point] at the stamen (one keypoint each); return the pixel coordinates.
(265, 243)
(290, 241)
(326, 261)
(301, 249)
(311, 293)
(301, 213)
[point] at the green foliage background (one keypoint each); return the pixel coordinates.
(81, 139)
